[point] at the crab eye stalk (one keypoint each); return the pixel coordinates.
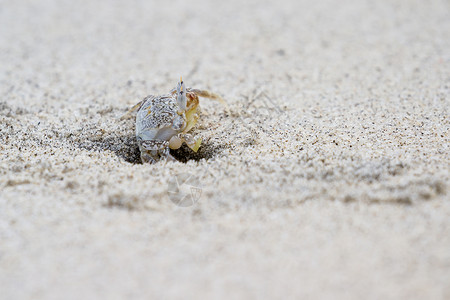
(181, 95)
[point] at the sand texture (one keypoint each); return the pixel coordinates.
(327, 178)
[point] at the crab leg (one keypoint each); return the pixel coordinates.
(136, 107)
(153, 148)
(210, 95)
(190, 141)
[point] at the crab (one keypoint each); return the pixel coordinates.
(163, 122)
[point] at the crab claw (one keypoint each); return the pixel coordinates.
(190, 141)
(181, 96)
(196, 145)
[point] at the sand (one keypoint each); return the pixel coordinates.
(327, 178)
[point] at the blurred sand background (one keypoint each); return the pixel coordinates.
(327, 179)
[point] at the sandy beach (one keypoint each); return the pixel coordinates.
(327, 178)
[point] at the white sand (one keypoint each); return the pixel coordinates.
(329, 178)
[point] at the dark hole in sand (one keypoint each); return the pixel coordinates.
(126, 147)
(206, 151)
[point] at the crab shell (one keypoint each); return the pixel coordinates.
(160, 119)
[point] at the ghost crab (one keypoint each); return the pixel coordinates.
(163, 122)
